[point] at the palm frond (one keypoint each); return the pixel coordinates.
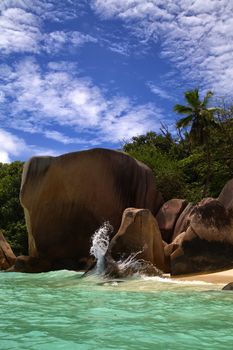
(206, 99)
(182, 109)
(213, 109)
(182, 123)
(192, 97)
(207, 114)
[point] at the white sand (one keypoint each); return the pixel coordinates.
(223, 277)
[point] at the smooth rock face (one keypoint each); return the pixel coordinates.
(7, 257)
(183, 221)
(207, 244)
(138, 234)
(168, 215)
(67, 198)
(226, 195)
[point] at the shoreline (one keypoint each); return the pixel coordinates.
(220, 277)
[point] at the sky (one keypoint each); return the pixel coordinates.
(78, 74)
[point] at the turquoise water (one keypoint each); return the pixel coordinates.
(58, 310)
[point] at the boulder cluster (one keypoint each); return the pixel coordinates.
(67, 198)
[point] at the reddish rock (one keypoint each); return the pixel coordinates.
(139, 233)
(226, 195)
(167, 260)
(67, 198)
(183, 221)
(168, 215)
(7, 257)
(207, 244)
(206, 200)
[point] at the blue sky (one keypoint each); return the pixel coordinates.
(78, 74)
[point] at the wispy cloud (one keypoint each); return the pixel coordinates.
(40, 101)
(157, 90)
(61, 137)
(196, 36)
(19, 31)
(52, 10)
(23, 31)
(57, 40)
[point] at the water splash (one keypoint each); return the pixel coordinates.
(126, 267)
(130, 261)
(137, 267)
(100, 243)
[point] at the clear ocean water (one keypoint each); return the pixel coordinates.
(60, 310)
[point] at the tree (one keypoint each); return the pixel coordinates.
(156, 151)
(162, 142)
(200, 118)
(12, 221)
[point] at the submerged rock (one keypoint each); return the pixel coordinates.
(7, 257)
(30, 264)
(67, 198)
(228, 286)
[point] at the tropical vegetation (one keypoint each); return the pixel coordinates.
(12, 222)
(196, 160)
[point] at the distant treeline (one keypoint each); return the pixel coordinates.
(194, 163)
(12, 222)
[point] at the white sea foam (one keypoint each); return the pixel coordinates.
(175, 281)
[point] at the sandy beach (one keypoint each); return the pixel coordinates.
(223, 277)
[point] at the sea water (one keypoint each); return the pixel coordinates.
(61, 310)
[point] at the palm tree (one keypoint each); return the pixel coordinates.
(198, 115)
(200, 118)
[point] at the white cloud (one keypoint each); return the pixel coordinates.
(4, 157)
(19, 31)
(52, 10)
(60, 137)
(14, 147)
(44, 100)
(195, 35)
(10, 145)
(57, 40)
(23, 31)
(157, 90)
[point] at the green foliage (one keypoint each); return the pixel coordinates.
(184, 170)
(11, 213)
(167, 171)
(199, 116)
(16, 235)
